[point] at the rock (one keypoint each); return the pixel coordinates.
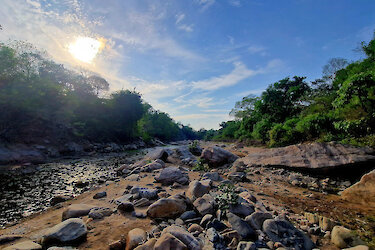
(244, 229)
(168, 207)
(171, 175)
(143, 202)
(100, 212)
(188, 215)
(133, 177)
(216, 156)
(359, 247)
(362, 191)
(184, 236)
(25, 245)
(147, 193)
(284, 232)
(195, 228)
(151, 167)
(206, 219)
(318, 158)
(135, 237)
(70, 231)
(218, 225)
(214, 240)
(169, 242)
(312, 218)
(117, 245)
(242, 209)
(9, 238)
(126, 207)
(326, 224)
(62, 248)
(123, 199)
(205, 204)
(243, 245)
(161, 154)
(59, 199)
(100, 195)
(256, 219)
(149, 245)
(195, 149)
(237, 177)
(214, 176)
(197, 189)
(77, 210)
(344, 238)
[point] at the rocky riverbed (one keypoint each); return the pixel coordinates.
(168, 200)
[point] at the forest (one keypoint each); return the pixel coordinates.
(36, 90)
(340, 106)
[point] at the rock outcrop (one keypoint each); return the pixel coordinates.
(216, 156)
(362, 191)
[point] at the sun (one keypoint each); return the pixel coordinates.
(85, 48)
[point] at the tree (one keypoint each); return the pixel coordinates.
(98, 83)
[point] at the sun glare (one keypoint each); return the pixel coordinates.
(85, 48)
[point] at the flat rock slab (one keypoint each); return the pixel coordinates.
(313, 157)
(26, 245)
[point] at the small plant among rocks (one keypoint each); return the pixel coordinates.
(201, 166)
(228, 197)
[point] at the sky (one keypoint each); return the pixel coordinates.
(195, 58)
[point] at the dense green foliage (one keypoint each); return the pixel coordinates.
(36, 90)
(340, 106)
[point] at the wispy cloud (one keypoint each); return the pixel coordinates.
(205, 4)
(235, 3)
(254, 49)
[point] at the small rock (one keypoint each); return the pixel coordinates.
(244, 229)
(205, 204)
(76, 210)
(100, 213)
(25, 245)
(100, 195)
(135, 237)
(126, 207)
(195, 228)
(344, 238)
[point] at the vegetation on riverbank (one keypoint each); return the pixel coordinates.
(38, 94)
(338, 107)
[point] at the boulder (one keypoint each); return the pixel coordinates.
(242, 209)
(59, 199)
(256, 219)
(168, 207)
(213, 176)
(135, 237)
(100, 212)
(319, 158)
(279, 230)
(169, 242)
(70, 231)
(205, 204)
(149, 245)
(151, 167)
(184, 236)
(76, 211)
(198, 189)
(344, 238)
(244, 229)
(126, 207)
(171, 175)
(25, 245)
(142, 192)
(161, 154)
(362, 191)
(216, 156)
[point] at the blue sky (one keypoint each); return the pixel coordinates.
(195, 58)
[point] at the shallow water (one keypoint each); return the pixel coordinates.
(29, 190)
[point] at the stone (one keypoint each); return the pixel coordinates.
(188, 215)
(242, 209)
(218, 225)
(246, 245)
(216, 156)
(280, 230)
(256, 219)
(142, 192)
(151, 167)
(318, 158)
(171, 175)
(206, 219)
(9, 238)
(195, 228)
(359, 247)
(100, 212)
(326, 224)
(126, 207)
(70, 231)
(117, 245)
(362, 191)
(168, 207)
(244, 229)
(135, 237)
(149, 245)
(312, 218)
(100, 195)
(123, 199)
(344, 238)
(77, 210)
(237, 177)
(25, 245)
(198, 189)
(59, 199)
(205, 204)
(214, 176)
(143, 202)
(169, 242)
(184, 236)
(161, 154)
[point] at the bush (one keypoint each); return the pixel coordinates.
(284, 134)
(314, 125)
(228, 197)
(261, 129)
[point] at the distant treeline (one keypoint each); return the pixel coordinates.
(338, 107)
(36, 90)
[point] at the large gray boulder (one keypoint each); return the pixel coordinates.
(168, 207)
(77, 210)
(160, 153)
(171, 175)
(284, 232)
(315, 157)
(216, 156)
(198, 189)
(71, 231)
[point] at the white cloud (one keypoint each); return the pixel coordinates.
(184, 27)
(235, 3)
(205, 4)
(179, 18)
(239, 73)
(253, 49)
(207, 121)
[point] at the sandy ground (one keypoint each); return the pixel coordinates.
(275, 193)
